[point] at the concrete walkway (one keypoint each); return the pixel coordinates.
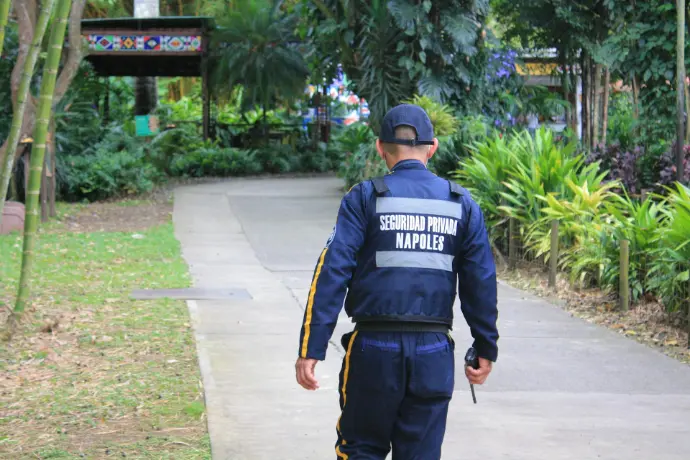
(562, 389)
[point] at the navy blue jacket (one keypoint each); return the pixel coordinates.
(404, 255)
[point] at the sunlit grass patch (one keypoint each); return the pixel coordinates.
(93, 370)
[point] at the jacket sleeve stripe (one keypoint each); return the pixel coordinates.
(310, 304)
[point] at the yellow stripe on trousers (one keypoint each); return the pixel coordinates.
(346, 374)
(310, 304)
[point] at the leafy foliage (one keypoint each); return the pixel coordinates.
(454, 147)
(441, 115)
(257, 48)
(667, 166)
(621, 165)
(536, 181)
(117, 166)
(669, 273)
(356, 144)
(394, 49)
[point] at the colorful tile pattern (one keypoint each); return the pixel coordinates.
(134, 43)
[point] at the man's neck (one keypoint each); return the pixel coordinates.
(401, 158)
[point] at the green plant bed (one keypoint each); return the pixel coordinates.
(535, 181)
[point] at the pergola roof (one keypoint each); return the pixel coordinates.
(148, 47)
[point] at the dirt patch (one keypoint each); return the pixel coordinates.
(121, 216)
(646, 322)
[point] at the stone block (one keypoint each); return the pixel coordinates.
(12, 217)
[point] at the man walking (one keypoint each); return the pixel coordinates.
(403, 246)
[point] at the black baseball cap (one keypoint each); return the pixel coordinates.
(407, 115)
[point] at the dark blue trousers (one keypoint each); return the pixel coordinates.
(395, 388)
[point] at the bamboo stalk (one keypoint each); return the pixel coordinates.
(52, 189)
(4, 17)
(22, 95)
(45, 106)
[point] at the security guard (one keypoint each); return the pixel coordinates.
(403, 246)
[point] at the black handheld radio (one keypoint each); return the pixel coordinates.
(472, 360)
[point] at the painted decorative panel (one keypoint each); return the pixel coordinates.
(129, 43)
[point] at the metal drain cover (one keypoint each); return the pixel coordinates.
(192, 294)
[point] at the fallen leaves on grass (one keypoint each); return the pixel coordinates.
(91, 369)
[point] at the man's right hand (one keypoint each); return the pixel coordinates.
(304, 368)
(478, 376)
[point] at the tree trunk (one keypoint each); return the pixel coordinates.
(37, 156)
(574, 83)
(565, 84)
(680, 82)
(687, 111)
(596, 105)
(146, 89)
(586, 138)
(4, 16)
(10, 147)
(146, 94)
(636, 97)
(605, 110)
(106, 102)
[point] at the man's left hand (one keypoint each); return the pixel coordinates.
(304, 369)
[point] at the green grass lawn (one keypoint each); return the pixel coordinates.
(115, 377)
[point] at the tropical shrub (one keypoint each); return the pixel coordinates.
(484, 175)
(623, 165)
(509, 176)
(666, 167)
(457, 146)
(169, 144)
(536, 181)
(106, 174)
(441, 115)
(669, 274)
(362, 164)
(621, 125)
(212, 161)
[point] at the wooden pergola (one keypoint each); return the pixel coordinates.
(152, 47)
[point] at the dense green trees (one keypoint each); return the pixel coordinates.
(257, 48)
(394, 49)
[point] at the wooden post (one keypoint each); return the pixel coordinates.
(512, 245)
(553, 268)
(624, 285)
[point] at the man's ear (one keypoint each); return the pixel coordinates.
(433, 149)
(379, 148)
